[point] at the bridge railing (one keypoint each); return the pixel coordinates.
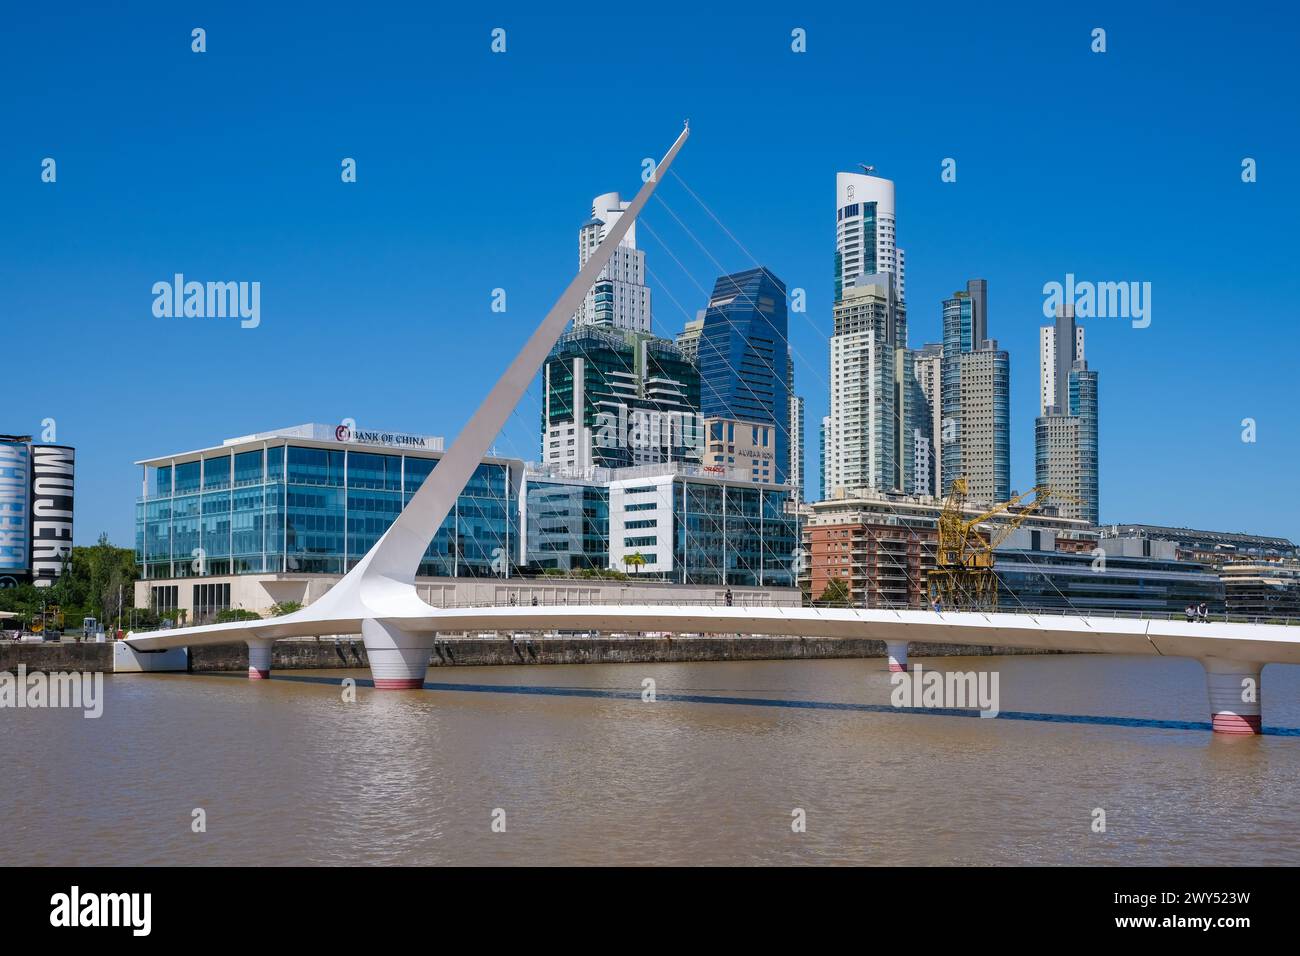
(745, 601)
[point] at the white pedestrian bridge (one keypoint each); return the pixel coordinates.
(378, 597)
(1233, 653)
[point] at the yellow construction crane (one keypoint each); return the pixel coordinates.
(963, 576)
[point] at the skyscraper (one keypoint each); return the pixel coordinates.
(619, 298)
(798, 461)
(976, 399)
(743, 356)
(613, 394)
(1065, 434)
(927, 365)
(865, 241)
(824, 449)
(688, 339)
(612, 399)
(1055, 366)
(869, 440)
(870, 435)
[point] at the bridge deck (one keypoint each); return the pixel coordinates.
(1255, 643)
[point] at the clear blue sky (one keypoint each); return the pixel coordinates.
(475, 171)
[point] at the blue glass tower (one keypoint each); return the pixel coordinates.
(743, 354)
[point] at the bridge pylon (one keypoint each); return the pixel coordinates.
(398, 657)
(1234, 689)
(259, 659)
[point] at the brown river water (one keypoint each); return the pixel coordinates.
(577, 769)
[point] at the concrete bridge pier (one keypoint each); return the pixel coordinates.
(1234, 695)
(897, 651)
(398, 658)
(259, 659)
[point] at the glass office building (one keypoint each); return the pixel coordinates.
(312, 500)
(1075, 581)
(743, 356)
(729, 534)
(615, 398)
(566, 521)
(672, 522)
(687, 525)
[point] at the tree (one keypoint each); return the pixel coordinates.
(836, 593)
(237, 614)
(281, 608)
(24, 600)
(89, 586)
(635, 561)
(604, 574)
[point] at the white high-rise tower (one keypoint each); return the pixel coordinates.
(864, 232)
(869, 439)
(619, 298)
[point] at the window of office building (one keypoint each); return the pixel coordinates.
(163, 598)
(209, 600)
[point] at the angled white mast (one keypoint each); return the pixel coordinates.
(397, 554)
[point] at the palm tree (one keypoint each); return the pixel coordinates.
(634, 561)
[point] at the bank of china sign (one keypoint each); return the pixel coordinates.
(392, 439)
